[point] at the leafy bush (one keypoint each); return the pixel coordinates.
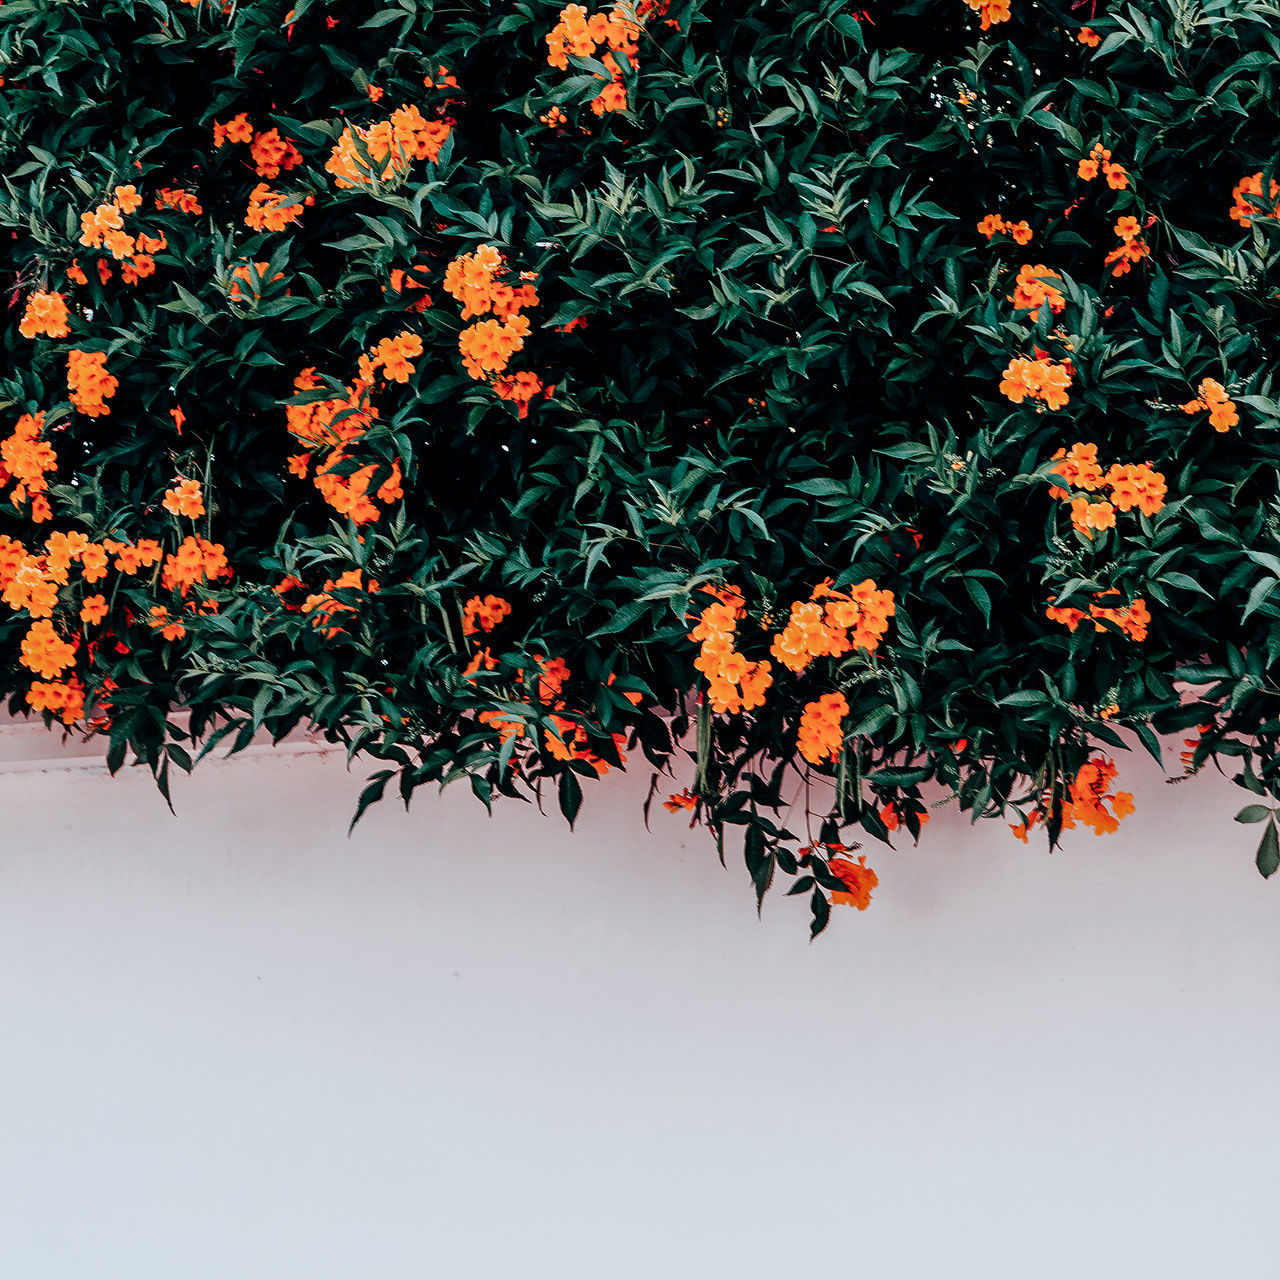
(476, 381)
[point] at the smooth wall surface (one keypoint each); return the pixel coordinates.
(236, 1044)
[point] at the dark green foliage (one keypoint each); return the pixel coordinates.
(789, 371)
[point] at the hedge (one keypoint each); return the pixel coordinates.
(874, 405)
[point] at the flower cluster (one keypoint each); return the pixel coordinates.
(178, 198)
(45, 313)
(833, 623)
(237, 129)
(1039, 379)
(1099, 158)
(89, 383)
(1133, 619)
(993, 225)
(482, 615)
(103, 228)
(195, 562)
(734, 683)
(1222, 409)
(390, 146)
(990, 11)
(185, 499)
(322, 605)
(1248, 202)
(578, 35)
(821, 733)
(268, 211)
(1132, 486)
(333, 424)
(269, 150)
(27, 460)
(392, 357)
(1132, 247)
(31, 582)
(45, 652)
(1086, 802)
(1032, 290)
(477, 281)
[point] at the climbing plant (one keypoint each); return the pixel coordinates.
(874, 404)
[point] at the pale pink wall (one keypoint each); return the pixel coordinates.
(235, 1044)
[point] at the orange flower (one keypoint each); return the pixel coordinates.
(177, 198)
(65, 697)
(96, 225)
(196, 561)
(845, 620)
(28, 588)
(577, 35)
(268, 212)
(89, 383)
(1248, 202)
(483, 615)
(487, 347)
(170, 628)
(1079, 468)
(93, 610)
(391, 145)
(1133, 619)
(1087, 516)
(519, 388)
(75, 273)
(1127, 227)
(1117, 177)
(45, 652)
(45, 313)
(686, 800)
(129, 559)
(859, 880)
(139, 266)
(1222, 409)
(889, 816)
(271, 153)
(93, 562)
(821, 734)
(1032, 290)
(1136, 485)
(406, 281)
(127, 199)
(185, 500)
(323, 605)
(253, 275)
(1132, 250)
(1087, 35)
(119, 244)
(734, 684)
(1088, 796)
(1039, 379)
(393, 356)
(27, 459)
(237, 129)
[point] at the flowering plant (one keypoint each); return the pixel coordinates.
(874, 404)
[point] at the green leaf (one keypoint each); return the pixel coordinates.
(1254, 813)
(1268, 858)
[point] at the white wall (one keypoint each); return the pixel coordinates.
(236, 1045)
